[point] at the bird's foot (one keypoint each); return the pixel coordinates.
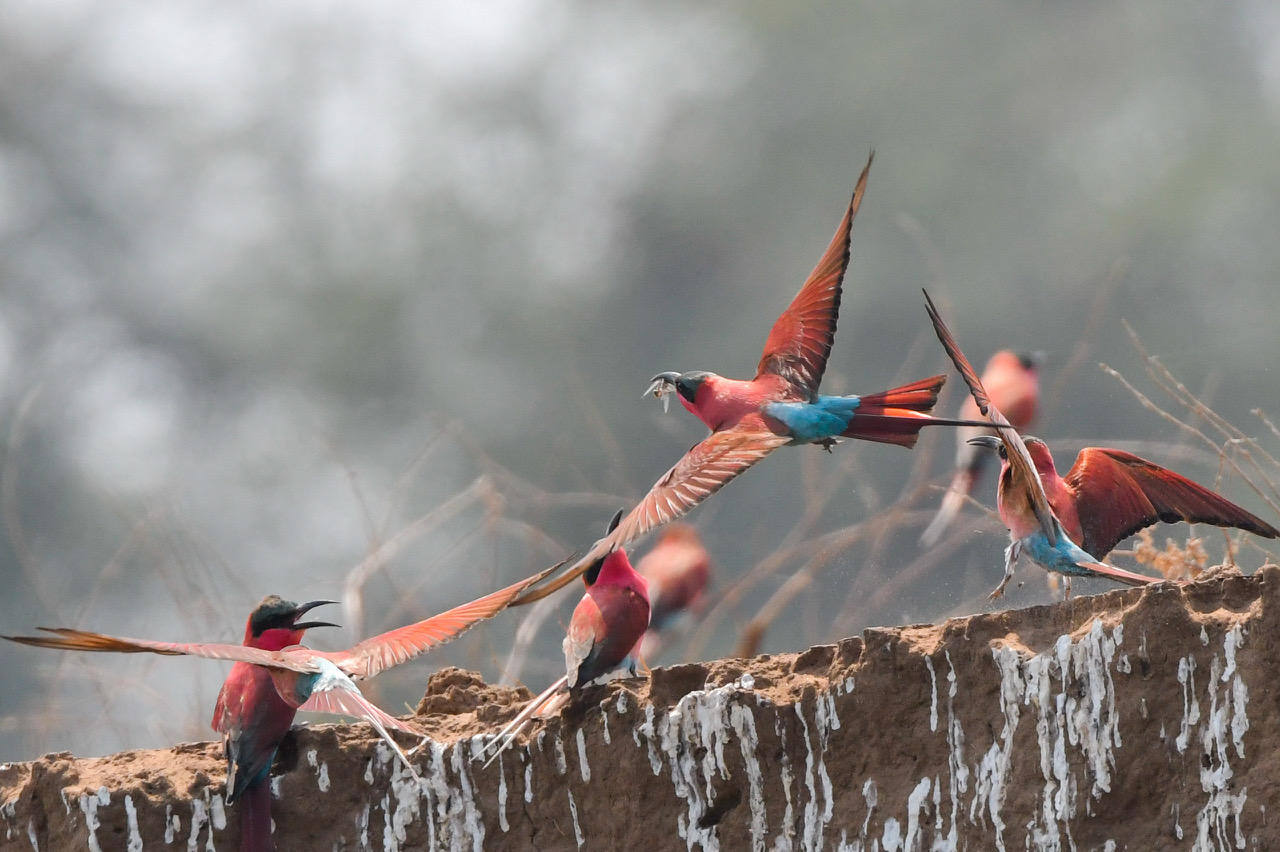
(827, 444)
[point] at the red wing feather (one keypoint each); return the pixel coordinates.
(1118, 493)
(394, 647)
(701, 472)
(67, 639)
(1022, 468)
(801, 338)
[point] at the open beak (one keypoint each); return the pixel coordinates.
(991, 442)
(663, 385)
(307, 625)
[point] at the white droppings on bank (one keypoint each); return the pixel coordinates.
(933, 694)
(573, 812)
(584, 769)
(562, 765)
(502, 796)
(133, 843)
(89, 807)
(1224, 727)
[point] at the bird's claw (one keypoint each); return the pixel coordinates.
(827, 444)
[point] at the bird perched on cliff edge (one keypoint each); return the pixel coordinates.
(274, 677)
(781, 405)
(1108, 495)
(678, 570)
(603, 636)
(1013, 381)
(1020, 498)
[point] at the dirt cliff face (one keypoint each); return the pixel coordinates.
(1137, 719)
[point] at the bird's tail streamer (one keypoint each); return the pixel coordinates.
(547, 702)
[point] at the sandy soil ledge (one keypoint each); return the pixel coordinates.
(1139, 719)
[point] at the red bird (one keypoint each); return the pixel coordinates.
(1013, 382)
(678, 569)
(780, 406)
(603, 636)
(274, 677)
(1108, 495)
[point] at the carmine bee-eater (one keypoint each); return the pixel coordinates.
(604, 636)
(1021, 500)
(1108, 495)
(678, 569)
(781, 405)
(274, 677)
(1013, 381)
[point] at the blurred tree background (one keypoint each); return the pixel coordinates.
(281, 281)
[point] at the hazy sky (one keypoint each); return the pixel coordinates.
(255, 259)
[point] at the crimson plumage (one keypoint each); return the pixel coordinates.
(1108, 495)
(274, 676)
(781, 405)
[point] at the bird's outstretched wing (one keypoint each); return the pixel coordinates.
(801, 338)
(334, 692)
(68, 639)
(1024, 470)
(1118, 493)
(394, 647)
(702, 471)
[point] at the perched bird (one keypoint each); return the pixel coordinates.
(1024, 508)
(781, 405)
(603, 636)
(274, 677)
(1013, 381)
(1108, 495)
(678, 570)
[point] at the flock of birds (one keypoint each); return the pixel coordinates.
(1064, 524)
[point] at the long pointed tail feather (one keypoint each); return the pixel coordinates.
(540, 705)
(255, 818)
(899, 426)
(917, 396)
(1120, 575)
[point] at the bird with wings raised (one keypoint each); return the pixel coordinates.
(1021, 500)
(780, 406)
(1108, 495)
(274, 677)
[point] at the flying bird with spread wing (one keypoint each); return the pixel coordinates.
(603, 636)
(780, 406)
(1108, 495)
(1013, 381)
(1020, 498)
(274, 677)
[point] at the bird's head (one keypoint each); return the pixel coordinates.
(593, 572)
(990, 442)
(685, 384)
(1040, 455)
(276, 621)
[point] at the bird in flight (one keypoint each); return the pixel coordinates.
(780, 406)
(274, 677)
(1021, 500)
(1108, 495)
(1013, 381)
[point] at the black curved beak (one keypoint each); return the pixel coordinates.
(662, 383)
(305, 608)
(991, 442)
